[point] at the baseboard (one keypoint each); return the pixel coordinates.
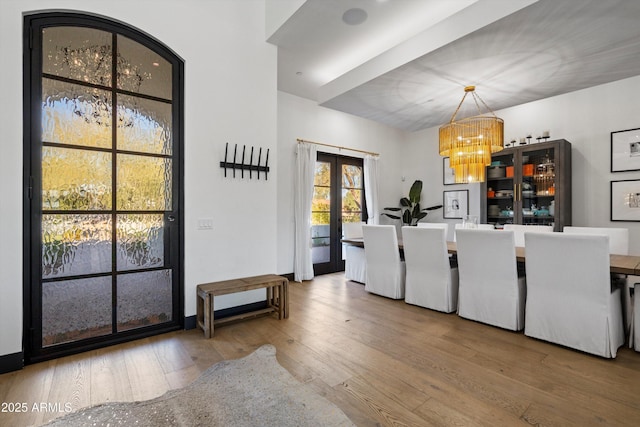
(190, 322)
(289, 276)
(11, 362)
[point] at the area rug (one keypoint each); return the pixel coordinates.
(252, 391)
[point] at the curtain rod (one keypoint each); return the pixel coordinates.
(337, 146)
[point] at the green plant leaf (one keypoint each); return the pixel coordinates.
(414, 193)
(405, 202)
(391, 216)
(416, 210)
(432, 208)
(420, 215)
(393, 209)
(406, 217)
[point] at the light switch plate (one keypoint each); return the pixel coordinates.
(205, 224)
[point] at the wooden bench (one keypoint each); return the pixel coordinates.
(277, 299)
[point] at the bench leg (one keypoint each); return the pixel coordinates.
(211, 316)
(207, 316)
(271, 301)
(285, 298)
(278, 289)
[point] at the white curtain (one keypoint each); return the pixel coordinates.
(304, 178)
(371, 188)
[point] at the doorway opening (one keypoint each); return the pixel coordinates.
(338, 198)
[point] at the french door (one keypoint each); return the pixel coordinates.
(103, 240)
(338, 197)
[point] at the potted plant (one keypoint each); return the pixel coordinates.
(410, 209)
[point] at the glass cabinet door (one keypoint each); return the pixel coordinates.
(538, 187)
(501, 207)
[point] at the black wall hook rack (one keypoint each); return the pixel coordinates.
(242, 166)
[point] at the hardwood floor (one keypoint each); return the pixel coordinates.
(383, 362)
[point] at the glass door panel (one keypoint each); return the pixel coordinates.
(75, 114)
(144, 183)
(140, 241)
(321, 214)
(75, 309)
(75, 244)
(352, 193)
(106, 219)
(500, 190)
(153, 133)
(141, 70)
(75, 179)
(144, 299)
(538, 187)
(338, 198)
(77, 53)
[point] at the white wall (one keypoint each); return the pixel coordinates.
(301, 118)
(585, 118)
(230, 96)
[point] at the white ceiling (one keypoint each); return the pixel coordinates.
(407, 64)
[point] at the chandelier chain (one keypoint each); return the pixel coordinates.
(476, 97)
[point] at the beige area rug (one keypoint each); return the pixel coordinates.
(252, 391)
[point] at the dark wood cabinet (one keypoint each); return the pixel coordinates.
(529, 184)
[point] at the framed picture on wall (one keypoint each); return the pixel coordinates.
(625, 200)
(455, 204)
(625, 150)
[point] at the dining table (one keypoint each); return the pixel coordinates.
(619, 264)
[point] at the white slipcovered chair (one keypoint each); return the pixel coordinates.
(355, 264)
(570, 300)
(385, 269)
(634, 336)
(618, 237)
(444, 225)
(490, 289)
(430, 281)
(460, 225)
(618, 244)
(520, 229)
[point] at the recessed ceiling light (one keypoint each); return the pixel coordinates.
(355, 16)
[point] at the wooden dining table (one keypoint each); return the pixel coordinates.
(620, 264)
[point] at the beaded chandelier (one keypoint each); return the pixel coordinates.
(470, 142)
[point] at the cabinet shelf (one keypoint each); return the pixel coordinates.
(545, 196)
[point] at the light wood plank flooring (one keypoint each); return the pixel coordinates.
(382, 361)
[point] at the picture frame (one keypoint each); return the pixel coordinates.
(625, 150)
(448, 177)
(455, 204)
(625, 200)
